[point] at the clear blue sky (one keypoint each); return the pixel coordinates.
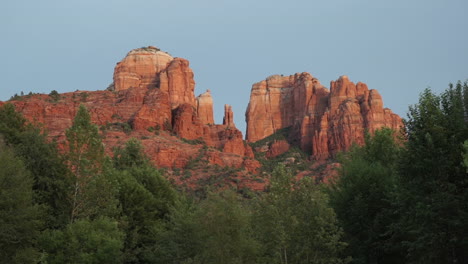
(398, 47)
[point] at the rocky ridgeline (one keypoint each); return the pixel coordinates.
(321, 121)
(152, 99)
(152, 92)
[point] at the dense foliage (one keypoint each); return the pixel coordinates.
(362, 198)
(20, 218)
(400, 198)
(407, 202)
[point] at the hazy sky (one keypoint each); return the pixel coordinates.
(398, 47)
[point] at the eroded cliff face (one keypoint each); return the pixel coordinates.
(177, 81)
(141, 68)
(152, 100)
(205, 107)
(323, 122)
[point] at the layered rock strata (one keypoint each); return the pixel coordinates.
(228, 119)
(322, 121)
(152, 99)
(205, 108)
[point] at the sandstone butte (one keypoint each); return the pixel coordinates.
(321, 121)
(152, 97)
(154, 94)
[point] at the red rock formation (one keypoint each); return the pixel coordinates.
(186, 123)
(228, 119)
(226, 137)
(205, 108)
(177, 81)
(277, 148)
(323, 122)
(280, 102)
(233, 141)
(141, 68)
(152, 92)
(155, 111)
(149, 68)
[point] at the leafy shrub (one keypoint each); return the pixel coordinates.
(116, 116)
(15, 97)
(187, 175)
(54, 95)
(84, 96)
(194, 141)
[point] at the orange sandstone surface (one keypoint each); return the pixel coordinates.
(152, 99)
(322, 121)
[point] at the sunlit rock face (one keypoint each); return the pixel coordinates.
(205, 107)
(141, 68)
(323, 122)
(152, 99)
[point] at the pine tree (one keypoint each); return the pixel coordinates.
(130, 156)
(295, 224)
(224, 228)
(465, 156)
(42, 159)
(145, 198)
(86, 161)
(20, 218)
(433, 181)
(84, 241)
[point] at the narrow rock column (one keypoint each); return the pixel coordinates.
(205, 108)
(228, 119)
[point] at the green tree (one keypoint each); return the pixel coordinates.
(145, 197)
(11, 123)
(225, 230)
(317, 236)
(51, 175)
(214, 230)
(272, 218)
(363, 197)
(131, 155)
(84, 241)
(42, 159)
(86, 152)
(465, 155)
(295, 224)
(181, 237)
(54, 95)
(20, 218)
(433, 181)
(91, 193)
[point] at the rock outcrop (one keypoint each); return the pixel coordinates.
(228, 119)
(205, 108)
(152, 99)
(277, 148)
(323, 122)
(141, 68)
(177, 81)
